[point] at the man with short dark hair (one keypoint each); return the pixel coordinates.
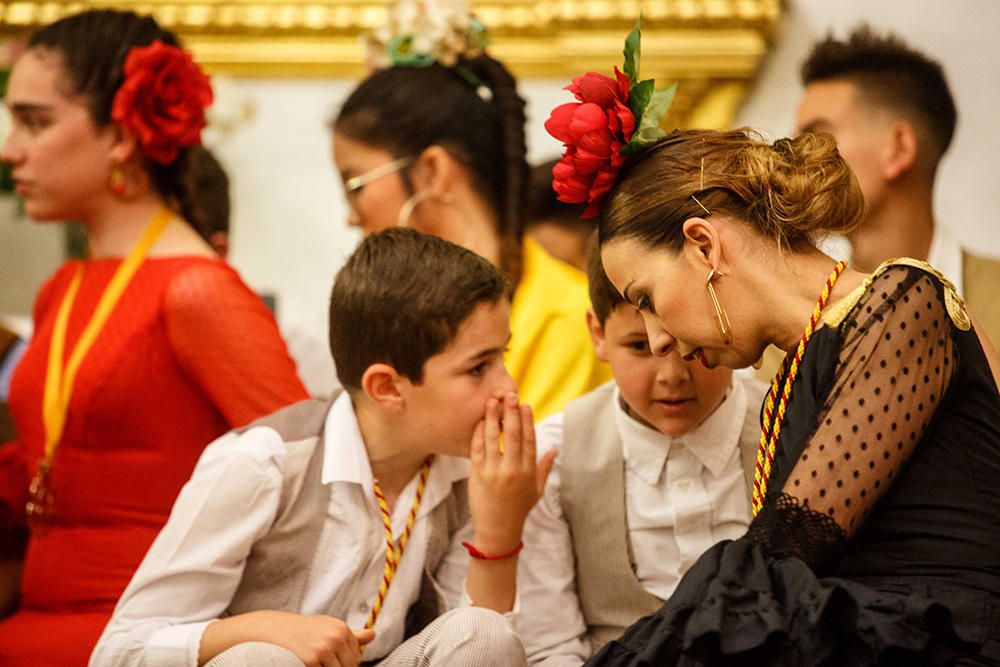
(893, 116)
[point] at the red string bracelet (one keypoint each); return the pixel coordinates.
(479, 555)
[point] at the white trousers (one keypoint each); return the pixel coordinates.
(472, 636)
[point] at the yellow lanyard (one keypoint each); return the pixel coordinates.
(59, 378)
(394, 554)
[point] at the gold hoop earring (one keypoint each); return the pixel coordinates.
(720, 312)
(116, 179)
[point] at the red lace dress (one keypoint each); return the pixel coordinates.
(188, 353)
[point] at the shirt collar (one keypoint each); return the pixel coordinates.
(712, 442)
(945, 255)
(716, 438)
(345, 458)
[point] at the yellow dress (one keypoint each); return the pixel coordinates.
(551, 357)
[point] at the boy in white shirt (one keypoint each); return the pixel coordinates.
(653, 469)
(277, 552)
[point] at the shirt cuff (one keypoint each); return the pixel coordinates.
(175, 645)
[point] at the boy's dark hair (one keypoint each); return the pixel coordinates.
(401, 298)
(543, 205)
(604, 298)
(890, 74)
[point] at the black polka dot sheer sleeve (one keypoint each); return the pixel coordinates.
(895, 364)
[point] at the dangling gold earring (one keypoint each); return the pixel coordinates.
(116, 179)
(720, 312)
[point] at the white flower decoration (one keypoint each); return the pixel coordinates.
(422, 32)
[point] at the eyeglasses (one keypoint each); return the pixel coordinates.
(352, 185)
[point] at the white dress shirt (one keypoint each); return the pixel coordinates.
(191, 572)
(945, 255)
(682, 495)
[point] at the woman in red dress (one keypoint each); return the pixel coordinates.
(143, 353)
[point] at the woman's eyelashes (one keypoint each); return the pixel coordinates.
(643, 302)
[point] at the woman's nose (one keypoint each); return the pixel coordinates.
(10, 152)
(660, 342)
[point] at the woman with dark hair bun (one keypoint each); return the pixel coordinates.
(143, 353)
(434, 139)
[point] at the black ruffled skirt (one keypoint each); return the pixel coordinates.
(738, 606)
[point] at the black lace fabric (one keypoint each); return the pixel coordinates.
(893, 369)
(785, 527)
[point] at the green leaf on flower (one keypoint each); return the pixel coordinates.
(403, 53)
(648, 128)
(632, 53)
(633, 147)
(639, 96)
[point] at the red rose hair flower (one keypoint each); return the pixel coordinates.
(594, 129)
(611, 120)
(162, 100)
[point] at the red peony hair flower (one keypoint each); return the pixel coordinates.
(594, 129)
(162, 100)
(611, 120)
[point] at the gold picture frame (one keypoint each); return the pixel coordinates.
(711, 47)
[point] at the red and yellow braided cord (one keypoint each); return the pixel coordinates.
(394, 554)
(773, 419)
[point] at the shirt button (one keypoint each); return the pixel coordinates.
(684, 484)
(363, 607)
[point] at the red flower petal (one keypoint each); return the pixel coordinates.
(558, 123)
(564, 168)
(594, 130)
(162, 100)
(627, 121)
(587, 118)
(597, 142)
(575, 191)
(597, 88)
(624, 84)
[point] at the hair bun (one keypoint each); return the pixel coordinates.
(805, 187)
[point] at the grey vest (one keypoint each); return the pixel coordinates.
(277, 570)
(592, 495)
